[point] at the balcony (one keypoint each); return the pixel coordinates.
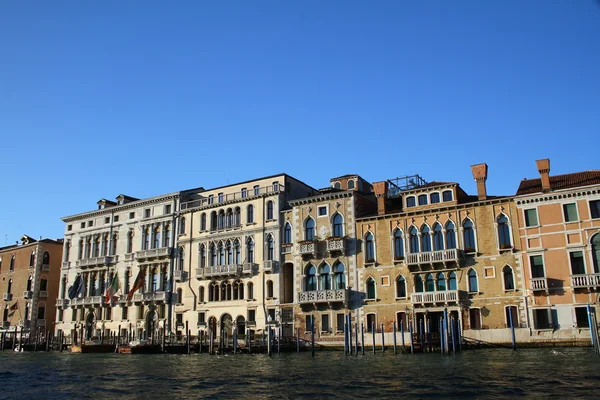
(585, 281)
(286, 248)
(163, 252)
(62, 303)
(232, 197)
(7, 296)
(138, 297)
(77, 301)
(180, 276)
(219, 270)
(96, 261)
(335, 244)
(308, 248)
(28, 294)
(122, 299)
(93, 300)
(5, 324)
(129, 256)
(249, 268)
(41, 322)
(323, 296)
(155, 297)
(432, 257)
(25, 323)
(539, 284)
(270, 265)
(442, 297)
(45, 267)
(42, 294)
(202, 324)
(66, 265)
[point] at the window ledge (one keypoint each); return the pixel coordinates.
(370, 300)
(474, 292)
(401, 298)
(506, 249)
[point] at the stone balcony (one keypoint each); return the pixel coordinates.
(122, 299)
(7, 296)
(42, 294)
(45, 267)
(432, 257)
(96, 261)
(41, 322)
(25, 323)
(28, 294)
(157, 297)
(180, 275)
(5, 324)
(441, 297)
(270, 265)
(335, 244)
(323, 296)
(129, 256)
(308, 248)
(93, 300)
(77, 301)
(154, 254)
(62, 303)
(539, 284)
(585, 281)
(249, 268)
(66, 265)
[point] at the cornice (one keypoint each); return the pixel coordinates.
(557, 195)
(319, 198)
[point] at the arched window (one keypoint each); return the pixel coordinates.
(309, 229)
(250, 250)
(469, 236)
(596, 253)
(398, 245)
(46, 258)
(418, 284)
(503, 232)
(157, 238)
(203, 222)
(509, 280)
(270, 289)
(351, 184)
(250, 287)
(438, 237)
(11, 267)
(129, 242)
(155, 280)
(340, 277)
(447, 195)
(287, 233)
(146, 238)
(221, 220)
(441, 282)
(311, 278)
(450, 235)
(31, 259)
(411, 201)
(29, 284)
(414, 239)
(434, 198)
(324, 277)
(201, 294)
(429, 283)
(213, 291)
(221, 254)
(244, 193)
(452, 281)
(270, 247)
(237, 251)
(422, 199)
(369, 248)
(337, 185)
(371, 289)
(269, 210)
(202, 256)
(0, 264)
(213, 255)
(9, 286)
(229, 252)
(182, 226)
(229, 290)
(400, 287)
(181, 258)
(338, 225)
(425, 239)
(229, 218)
(237, 220)
(238, 290)
(473, 287)
(213, 220)
(250, 214)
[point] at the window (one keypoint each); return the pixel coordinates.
(31, 259)
(202, 256)
(269, 210)
(429, 283)
(338, 226)
(570, 211)
(503, 232)
(438, 237)
(542, 318)
(400, 287)
(537, 266)
(475, 318)
(418, 284)
(211, 199)
(221, 251)
(425, 239)
(369, 248)
(270, 248)
(311, 278)
(12, 264)
(531, 218)
(244, 193)
(310, 323)
(595, 208)
(237, 251)
(372, 323)
(596, 253)
(106, 220)
(182, 226)
(276, 186)
(270, 289)
(250, 287)
(509, 279)
(414, 240)
(452, 281)
(422, 199)
(256, 190)
(324, 277)
(250, 214)
(447, 195)
(90, 223)
(287, 233)
(9, 286)
(434, 198)
(324, 323)
(69, 227)
(351, 184)
(41, 312)
(156, 238)
(220, 197)
(410, 201)
(131, 215)
(370, 289)
(147, 213)
(577, 264)
(340, 319)
(339, 276)
(43, 285)
(581, 316)
(398, 245)
(82, 225)
(401, 321)
(469, 236)
(450, 235)
(116, 218)
(167, 209)
(337, 185)
(322, 211)
(250, 250)
(309, 229)
(473, 287)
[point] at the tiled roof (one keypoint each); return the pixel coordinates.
(558, 182)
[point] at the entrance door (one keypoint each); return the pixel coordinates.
(89, 326)
(288, 283)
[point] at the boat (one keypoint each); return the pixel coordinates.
(140, 347)
(93, 346)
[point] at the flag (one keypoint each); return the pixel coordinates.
(137, 284)
(76, 288)
(112, 288)
(13, 308)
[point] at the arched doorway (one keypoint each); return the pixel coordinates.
(212, 326)
(89, 326)
(227, 325)
(288, 283)
(240, 324)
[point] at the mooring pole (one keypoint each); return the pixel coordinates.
(279, 339)
(422, 335)
(452, 322)
(382, 338)
(21, 339)
(345, 335)
(410, 332)
(394, 328)
(441, 328)
(373, 333)
(356, 338)
(429, 334)
(298, 340)
(512, 329)
(362, 338)
(402, 333)
(249, 341)
(350, 334)
(312, 336)
(234, 339)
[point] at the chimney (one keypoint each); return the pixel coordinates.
(480, 175)
(381, 191)
(543, 167)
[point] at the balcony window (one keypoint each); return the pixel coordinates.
(425, 239)
(369, 248)
(221, 254)
(324, 277)
(220, 197)
(203, 222)
(452, 281)
(270, 289)
(237, 251)
(509, 279)
(256, 190)
(398, 244)
(473, 285)
(340, 277)
(244, 193)
(276, 186)
(434, 198)
(418, 284)
(9, 286)
(414, 240)
(237, 220)
(503, 232)
(338, 225)
(213, 255)
(577, 264)
(156, 238)
(311, 278)
(202, 256)
(438, 237)
(229, 252)
(441, 282)
(287, 233)
(400, 287)
(43, 285)
(537, 266)
(469, 236)
(450, 235)
(370, 289)
(309, 229)
(429, 283)
(221, 220)
(29, 283)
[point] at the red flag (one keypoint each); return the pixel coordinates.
(139, 282)
(15, 306)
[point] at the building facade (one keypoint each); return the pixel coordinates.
(29, 283)
(123, 244)
(559, 223)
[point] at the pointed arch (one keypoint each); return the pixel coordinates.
(419, 284)
(595, 247)
(429, 283)
(339, 272)
(270, 211)
(438, 237)
(337, 225)
(310, 277)
(469, 243)
(250, 250)
(287, 233)
(441, 281)
(398, 244)
(309, 228)
(450, 235)
(369, 247)
(371, 290)
(508, 278)
(202, 255)
(324, 276)
(473, 282)
(400, 287)
(425, 238)
(270, 247)
(503, 229)
(452, 284)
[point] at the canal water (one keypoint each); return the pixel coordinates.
(570, 372)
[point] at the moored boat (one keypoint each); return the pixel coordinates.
(92, 347)
(140, 347)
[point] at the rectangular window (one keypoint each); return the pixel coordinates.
(577, 264)
(201, 317)
(595, 208)
(325, 323)
(475, 318)
(489, 272)
(322, 211)
(531, 218)
(141, 312)
(90, 223)
(422, 199)
(41, 312)
(82, 225)
(252, 315)
(447, 195)
(244, 193)
(309, 323)
(107, 220)
(581, 315)
(147, 213)
(339, 322)
(108, 313)
(168, 209)
(271, 314)
(220, 197)
(179, 318)
(256, 190)
(410, 201)
(131, 215)
(537, 266)
(124, 313)
(43, 285)
(69, 227)
(401, 322)
(542, 319)
(371, 323)
(570, 211)
(116, 218)
(385, 280)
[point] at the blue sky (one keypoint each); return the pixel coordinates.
(148, 97)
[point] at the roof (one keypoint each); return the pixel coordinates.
(558, 182)
(343, 176)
